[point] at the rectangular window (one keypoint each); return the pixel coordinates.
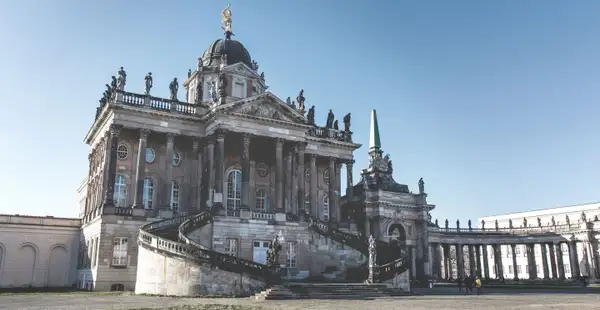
(231, 247)
(119, 252)
(291, 261)
(518, 249)
(238, 90)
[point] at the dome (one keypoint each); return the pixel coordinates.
(236, 52)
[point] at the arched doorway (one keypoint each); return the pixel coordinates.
(25, 265)
(397, 241)
(58, 266)
(397, 233)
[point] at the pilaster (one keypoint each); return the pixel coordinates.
(210, 146)
(111, 164)
(279, 174)
(219, 164)
(199, 168)
(314, 208)
(349, 181)
(246, 170)
(331, 194)
(140, 172)
(288, 181)
(168, 173)
(300, 149)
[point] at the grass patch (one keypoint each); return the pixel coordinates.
(205, 307)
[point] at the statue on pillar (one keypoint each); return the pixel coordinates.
(457, 224)
(482, 225)
(174, 88)
(447, 224)
(311, 115)
(583, 217)
(421, 186)
(567, 220)
(525, 222)
(469, 224)
(335, 125)
(122, 79)
(510, 225)
(113, 83)
(539, 220)
(199, 65)
(553, 221)
(330, 118)
(372, 251)
(149, 85)
(273, 251)
(347, 122)
(300, 100)
(496, 225)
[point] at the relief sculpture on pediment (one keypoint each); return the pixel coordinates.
(262, 110)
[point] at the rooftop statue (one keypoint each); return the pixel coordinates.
(525, 222)
(311, 115)
(510, 225)
(482, 224)
(262, 76)
(226, 19)
(113, 83)
(553, 221)
(254, 65)
(189, 72)
(567, 220)
(335, 125)
(421, 186)
(330, 118)
(199, 65)
(122, 79)
(347, 122)
(288, 100)
(436, 223)
(583, 217)
(457, 224)
(148, 80)
(447, 223)
(496, 224)
(539, 220)
(300, 99)
(174, 88)
(469, 223)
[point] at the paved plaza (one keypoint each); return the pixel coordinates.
(492, 300)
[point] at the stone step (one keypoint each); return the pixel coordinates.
(328, 291)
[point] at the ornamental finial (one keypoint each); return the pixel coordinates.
(226, 19)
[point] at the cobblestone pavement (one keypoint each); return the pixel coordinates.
(492, 300)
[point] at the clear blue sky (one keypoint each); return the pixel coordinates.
(494, 103)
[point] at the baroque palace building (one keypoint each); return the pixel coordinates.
(232, 188)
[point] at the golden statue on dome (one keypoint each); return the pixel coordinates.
(226, 19)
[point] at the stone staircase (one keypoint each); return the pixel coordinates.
(328, 291)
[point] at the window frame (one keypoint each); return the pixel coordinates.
(262, 206)
(120, 253)
(228, 247)
(120, 188)
(175, 191)
(119, 151)
(148, 193)
(234, 190)
(148, 151)
(325, 205)
(176, 160)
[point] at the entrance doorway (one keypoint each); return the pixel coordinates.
(259, 251)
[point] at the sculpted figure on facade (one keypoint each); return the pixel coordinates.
(583, 217)
(510, 225)
(213, 90)
(335, 125)
(553, 221)
(199, 92)
(372, 251)
(199, 65)
(122, 79)
(222, 84)
(421, 186)
(113, 83)
(149, 83)
(539, 220)
(174, 88)
(330, 118)
(525, 222)
(347, 122)
(273, 251)
(300, 100)
(567, 220)
(224, 60)
(311, 115)
(447, 224)
(496, 225)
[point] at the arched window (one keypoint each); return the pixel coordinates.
(262, 201)
(176, 159)
(326, 176)
(148, 193)
(174, 196)
(234, 190)
(325, 208)
(120, 192)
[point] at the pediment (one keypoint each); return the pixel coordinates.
(268, 106)
(242, 69)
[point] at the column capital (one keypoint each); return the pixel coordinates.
(313, 158)
(115, 130)
(349, 162)
(210, 142)
(144, 133)
(195, 144)
(220, 134)
(300, 147)
(171, 137)
(247, 137)
(279, 142)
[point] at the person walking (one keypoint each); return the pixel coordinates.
(459, 282)
(478, 285)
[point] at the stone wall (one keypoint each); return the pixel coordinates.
(162, 274)
(331, 259)
(400, 281)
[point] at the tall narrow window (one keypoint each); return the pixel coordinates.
(262, 201)
(120, 252)
(326, 176)
(120, 192)
(148, 193)
(175, 196)
(234, 190)
(238, 90)
(231, 247)
(291, 261)
(326, 208)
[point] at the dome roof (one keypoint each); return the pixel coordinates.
(236, 52)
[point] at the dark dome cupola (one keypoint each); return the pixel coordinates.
(235, 51)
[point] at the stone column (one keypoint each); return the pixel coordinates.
(140, 171)
(220, 163)
(552, 261)
(314, 207)
(301, 184)
(497, 248)
(168, 173)
(338, 190)
(198, 177)
(559, 261)
(478, 260)
(279, 175)
(460, 264)
(332, 195)
(210, 153)
(471, 259)
(575, 273)
(110, 166)
(514, 261)
(349, 181)
(447, 264)
(289, 154)
(413, 253)
(544, 253)
(486, 267)
(246, 170)
(530, 249)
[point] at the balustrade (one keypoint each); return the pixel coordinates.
(263, 216)
(155, 103)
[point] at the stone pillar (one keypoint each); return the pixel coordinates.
(279, 175)
(471, 259)
(301, 184)
(530, 249)
(447, 262)
(514, 261)
(544, 254)
(332, 195)
(486, 267)
(559, 261)
(289, 154)
(478, 260)
(552, 261)
(168, 173)
(140, 171)
(497, 248)
(210, 150)
(246, 170)
(349, 181)
(460, 264)
(413, 253)
(220, 163)
(314, 207)
(575, 273)
(110, 166)
(196, 152)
